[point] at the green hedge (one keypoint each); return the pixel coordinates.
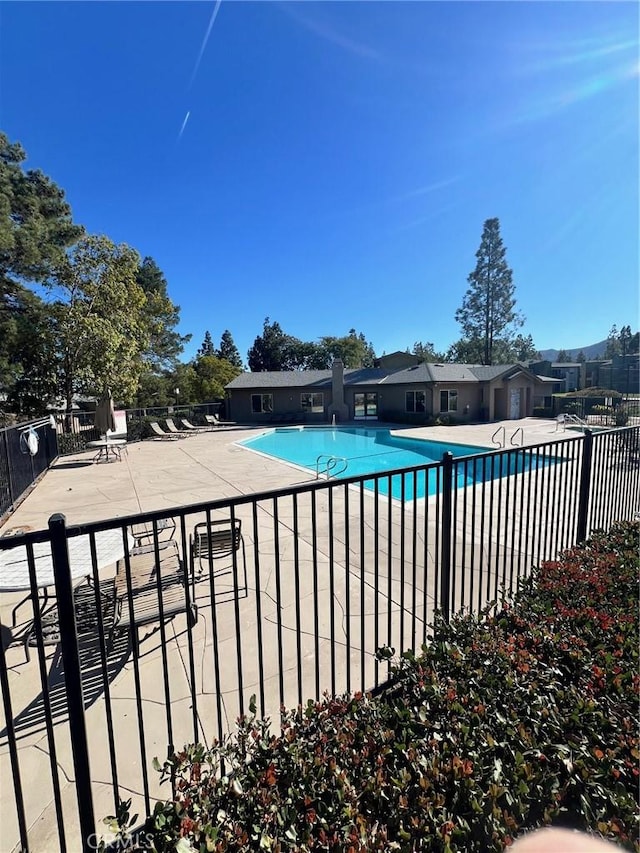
(72, 442)
(524, 718)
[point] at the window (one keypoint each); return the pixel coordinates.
(312, 402)
(448, 401)
(261, 403)
(415, 401)
(365, 405)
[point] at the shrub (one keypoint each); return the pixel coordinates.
(139, 428)
(542, 412)
(526, 717)
(75, 442)
(598, 392)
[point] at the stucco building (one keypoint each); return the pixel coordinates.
(416, 393)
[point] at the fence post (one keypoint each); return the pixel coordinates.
(72, 677)
(445, 539)
(12, 496)
(585, 485)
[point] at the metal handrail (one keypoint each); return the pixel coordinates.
(565, 418)
(331, 465)
(512, 440)
(499, 443)
(575, 419)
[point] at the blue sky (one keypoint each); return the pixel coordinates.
(339, 159)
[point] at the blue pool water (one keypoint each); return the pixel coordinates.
(371, 451)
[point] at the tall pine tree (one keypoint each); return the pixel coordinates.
(229, 351)
(488, 314)
(162, 317)
(206, 347)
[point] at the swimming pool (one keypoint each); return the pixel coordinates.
(371, 451)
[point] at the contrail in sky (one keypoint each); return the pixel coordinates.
(205, 40)
(184, 124)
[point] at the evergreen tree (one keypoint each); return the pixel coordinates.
(162, 317)
(369, 354)
(206, 347)
(35, 230)
(563, 356)
(35, 220)
(624, 340)
(426, 351)
(488, 314)
(521, 348)
(621, 342)
(28, 357)
(353, 350)
(505, 351)
(581, 358)
(272, 350)
(229, 351)
(613, 346)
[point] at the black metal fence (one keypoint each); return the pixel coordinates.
(23, 459)
(309, 583)
(75, 430)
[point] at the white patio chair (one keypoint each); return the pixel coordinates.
(158, 432)
(173, 429)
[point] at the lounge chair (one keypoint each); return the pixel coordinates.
(194, 429)
(214, 540)
(154, 598)
(173, 429)
(160, 433)
(145, 540)
(215, 420)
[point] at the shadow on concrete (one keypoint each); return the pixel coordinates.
(6, 636)
(99, 668)
(67, 465)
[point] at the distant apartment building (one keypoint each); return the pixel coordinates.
(620, 373)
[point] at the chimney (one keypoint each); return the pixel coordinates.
(337, 382)
(338, 406)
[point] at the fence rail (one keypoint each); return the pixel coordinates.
(314, 580)
(76, 429)
(23, 461)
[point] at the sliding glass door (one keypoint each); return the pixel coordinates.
(365, 405)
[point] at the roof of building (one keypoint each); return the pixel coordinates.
(486, 372)
(306, 378)
(562, 364)
(422, 374)
(281, 379)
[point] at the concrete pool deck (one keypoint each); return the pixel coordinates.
(157, 475)
(205, 467)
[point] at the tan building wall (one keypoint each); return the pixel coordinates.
(392, 401)
(468, 400)
(479, 401)
(510, 399)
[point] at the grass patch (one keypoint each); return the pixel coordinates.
(524, 718)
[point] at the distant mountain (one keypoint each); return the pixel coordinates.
(591, 351)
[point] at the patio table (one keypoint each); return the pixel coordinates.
(108, 447)
(14, 569)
